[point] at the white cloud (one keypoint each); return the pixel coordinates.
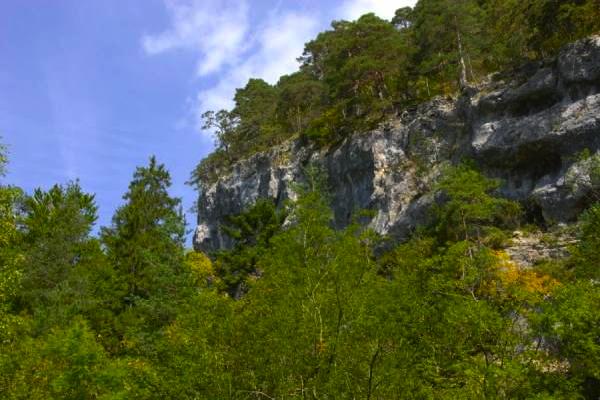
(275, 48)
(219, 31)
(282, 40)
(353, 9)
(215, 29)
(235, 48)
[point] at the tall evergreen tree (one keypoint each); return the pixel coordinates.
(451, 39)
(146, 240)
(56, 230)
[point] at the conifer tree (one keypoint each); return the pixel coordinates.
(56, 228)
(146, 240)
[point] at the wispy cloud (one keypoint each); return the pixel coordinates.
(235, 46)
(353, 9)
(228, 48)
(216, 29)
(275, 47)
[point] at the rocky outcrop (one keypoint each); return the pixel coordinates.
(526, 130)
(530, 134)
(528, 249)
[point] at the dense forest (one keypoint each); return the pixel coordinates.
(298, 309)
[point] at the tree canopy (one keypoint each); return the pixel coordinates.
(296, 309)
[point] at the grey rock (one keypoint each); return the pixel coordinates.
(527, 250)
(580, 61)
(526, 132)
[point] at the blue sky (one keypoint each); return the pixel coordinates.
(90, 89)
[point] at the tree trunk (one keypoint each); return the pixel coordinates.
(463, 66)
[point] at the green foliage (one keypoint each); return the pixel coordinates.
(470, 336)
(255, 107)
(586, 255)
(538, 28)
(252, 232)
(145, 241)
(66, 364)
(363, 63)
(250, 127)
(471, 210)
(3, 160)
(55, 227)
(318, 316)
(78, 366)
(10, 254)
(223, 123)
(451, 39)
(188, 359)
(403, 18)
(571, 325)
(301, 100)
(296, 318)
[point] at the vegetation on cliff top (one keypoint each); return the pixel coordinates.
(352, 76)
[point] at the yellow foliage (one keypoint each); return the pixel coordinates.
(200, 266)
(321, 346)
(509, 276)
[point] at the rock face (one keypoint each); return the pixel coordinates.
(526, 250)
(526, 130)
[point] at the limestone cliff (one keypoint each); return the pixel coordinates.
(525, 128)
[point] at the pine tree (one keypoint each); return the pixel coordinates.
(363, 64)
(56, 228)
(146, 240)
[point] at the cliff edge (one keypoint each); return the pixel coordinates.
(526, 128)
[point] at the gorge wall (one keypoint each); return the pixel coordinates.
(525, 128)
